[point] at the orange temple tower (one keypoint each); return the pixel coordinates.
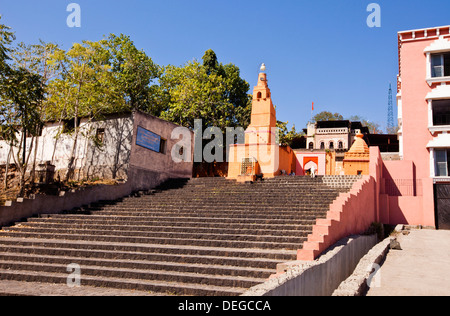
(260, 154)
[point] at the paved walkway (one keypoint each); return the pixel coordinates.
(15, 288)
(422, 268)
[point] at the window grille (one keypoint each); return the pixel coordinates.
(248, 166)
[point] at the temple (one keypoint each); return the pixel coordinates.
(357, 159)
(260, 154)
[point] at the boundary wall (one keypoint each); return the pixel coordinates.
(351, 213)
(321, 277)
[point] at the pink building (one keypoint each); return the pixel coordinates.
(306, 159)
(419, 185)
(416, 189)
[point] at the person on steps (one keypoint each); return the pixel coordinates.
(313, 172)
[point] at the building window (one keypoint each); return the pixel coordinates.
(341, 145)
(441, 112)
(331, 145)
(259, 95)
(162, 146)
(322, 145)
(311, 145)
(440, 65)
(69, 125)
(100, 136)
(442, 159)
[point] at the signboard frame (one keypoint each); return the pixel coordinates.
(147, 139)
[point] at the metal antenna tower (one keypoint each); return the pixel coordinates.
(390, 123)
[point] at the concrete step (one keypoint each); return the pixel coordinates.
(256, 258)
(108, 218)
(195, 214)
(163, 224)
(214, 210)
(293, 231)
(220, 243)
(281, 236)
(206, 268)
(135, 274)
(168, 288)
(208, 236)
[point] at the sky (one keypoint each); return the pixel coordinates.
(320, 51)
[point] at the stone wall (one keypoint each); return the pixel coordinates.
(145, 169)
(321, 277)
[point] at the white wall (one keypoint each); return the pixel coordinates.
(56, 147)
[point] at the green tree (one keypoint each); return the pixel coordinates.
(209, 91)
(86, 88)
(210, 62)
(327, 116)
(21, 93)
(6, 38)
(21, 98)
(286, 137)
(374, 128)
(194, 95)
(35, 59)
(7, 131)
(134, 73)
(392, 130)
(236, 88)
(237, 94)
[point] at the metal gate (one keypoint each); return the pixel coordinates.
(442, 194)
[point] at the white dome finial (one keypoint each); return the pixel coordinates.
(263, 67)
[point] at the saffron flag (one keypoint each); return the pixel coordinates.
(313, 106)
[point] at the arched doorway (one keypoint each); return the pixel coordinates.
(309, 162)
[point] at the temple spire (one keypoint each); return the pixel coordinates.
(263, 111)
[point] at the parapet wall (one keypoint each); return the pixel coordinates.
(321, 277)
(140, 180)
(351, 213)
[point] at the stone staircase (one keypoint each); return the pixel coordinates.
(207, 236)
(341, 183)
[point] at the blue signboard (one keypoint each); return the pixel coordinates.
(148, 139)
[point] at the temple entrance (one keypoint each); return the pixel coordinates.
(309, 163)
(442, 196)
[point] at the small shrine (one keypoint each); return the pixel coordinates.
(356, 160)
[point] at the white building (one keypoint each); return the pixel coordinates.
(120, 146)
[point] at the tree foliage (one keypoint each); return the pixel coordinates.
(6, 38)
(134, 72)
(327, 116)
(374, 128)
(209, 91)
(288, 137)
(44, 82)
(22, 95)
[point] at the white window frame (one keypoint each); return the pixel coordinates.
(441, 92)
(435, 128)
(435, 162)
(439, 47)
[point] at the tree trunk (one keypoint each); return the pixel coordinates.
(7, 168)
(71, 165)
(33, 168)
